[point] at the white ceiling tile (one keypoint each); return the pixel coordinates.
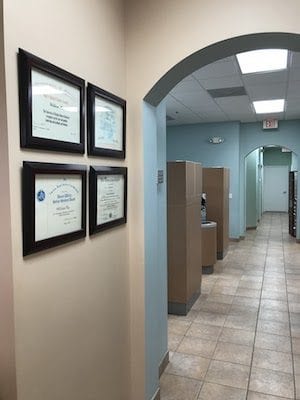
(227, 59)
(261, 117)
(266, 92)
(293, 92)
(293, 106)
(217, 70)
(292, 115)
(195, 99)
(233, 103)
(220, 83)
(190, 103)
(295, 74)
(187, 86)
(265, 78)
(248, 118)
(295, 57)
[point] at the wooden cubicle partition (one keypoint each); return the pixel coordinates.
(184, 235)
(216, 186)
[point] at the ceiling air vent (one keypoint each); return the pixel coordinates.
(170, 118)
(228, 92)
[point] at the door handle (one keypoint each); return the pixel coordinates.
(284, 192)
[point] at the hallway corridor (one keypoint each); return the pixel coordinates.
(241, 340)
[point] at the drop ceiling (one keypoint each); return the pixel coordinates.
(190, 101)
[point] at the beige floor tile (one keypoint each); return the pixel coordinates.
(294, 307)
(233, 292)
(240, 322)
(237, 336)
(250, 278)
(220, 308)
(295, 318)
(178, 388)
(234, 353)
(190, 366)
(220, 298)
(273, 295)
(272, 382)
(272, 327)
(189, 317)
(197, 346)
(242, 310)
(279, 305)
(227, 290)
(260, 396)
(249, 285)
(274, 360)
(297, 385)
(297, 364)
(225, 373)
(295, 330)
(212, 391)
(178, 327)
(174, 341)
(294, 297)
(296, 345)
(273, 342)
(273, 315)
(211, 318)
(204, 331)
(248, 302)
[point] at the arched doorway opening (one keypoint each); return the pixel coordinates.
(155, 193)
(267, 171)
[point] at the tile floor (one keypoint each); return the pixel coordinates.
(241, 340)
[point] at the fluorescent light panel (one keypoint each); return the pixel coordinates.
(269, 106)
(262, 60)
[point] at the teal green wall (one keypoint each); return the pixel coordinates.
(155, 202)
(191, 142)
(274, 156)
(251, 188)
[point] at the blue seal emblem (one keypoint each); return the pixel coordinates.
(41, 195)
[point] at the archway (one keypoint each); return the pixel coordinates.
(274, 163)
(155, 194)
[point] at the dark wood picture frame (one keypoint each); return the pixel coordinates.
(30, 170)
(94, 150)
(26, 63)
(93, 198)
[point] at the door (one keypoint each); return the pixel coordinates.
(276, 179)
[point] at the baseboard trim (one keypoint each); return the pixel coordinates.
(234, 239)
(163, 364)
(207, 269)
(242, 237)
(251, 228)
(156, 395)
(182, 308)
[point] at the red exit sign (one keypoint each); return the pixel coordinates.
(270, 124)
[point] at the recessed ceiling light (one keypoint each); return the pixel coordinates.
(262, 60)
(268, 106)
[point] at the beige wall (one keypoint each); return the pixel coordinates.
(7, 356)
(72, 302)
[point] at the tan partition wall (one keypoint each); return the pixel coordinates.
(184, 235)
(216, 187)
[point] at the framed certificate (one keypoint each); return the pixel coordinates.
(106, 123)
(54, 205)
(51, 106)
(108, 197)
